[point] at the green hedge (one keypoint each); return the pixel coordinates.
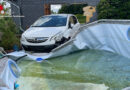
(81, 18)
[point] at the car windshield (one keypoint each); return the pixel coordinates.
(51, 21)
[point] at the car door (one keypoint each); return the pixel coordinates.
(75, 25)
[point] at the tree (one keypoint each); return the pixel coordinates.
(114, 9)
(9, 36)
(9, 32)
(72, 9)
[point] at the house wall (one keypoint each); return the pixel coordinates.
(90, 2)
(33, 9)
(30, 9)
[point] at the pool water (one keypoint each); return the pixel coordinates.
(83, 70)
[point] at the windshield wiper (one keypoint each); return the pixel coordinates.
(36, 26)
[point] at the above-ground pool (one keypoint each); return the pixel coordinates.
(83, 70)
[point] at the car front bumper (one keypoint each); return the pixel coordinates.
(46, 48)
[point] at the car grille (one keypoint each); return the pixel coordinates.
(37, 40)
(39, 48)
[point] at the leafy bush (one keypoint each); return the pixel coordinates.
(114, 9)
(72, 9)
(81, 18)
(9, 30)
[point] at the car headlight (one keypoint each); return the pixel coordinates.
(23, 38)
(57, 37)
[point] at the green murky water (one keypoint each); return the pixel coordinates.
(84, 70)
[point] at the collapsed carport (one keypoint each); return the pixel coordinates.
(98, 59)
(108, 68)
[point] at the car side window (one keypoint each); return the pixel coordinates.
(71, 20)
(75, 20)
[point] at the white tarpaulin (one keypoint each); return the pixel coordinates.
(7, 74)
(110, 35)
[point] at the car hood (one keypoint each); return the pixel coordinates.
(43, 31)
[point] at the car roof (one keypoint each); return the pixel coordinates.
(65, 15)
